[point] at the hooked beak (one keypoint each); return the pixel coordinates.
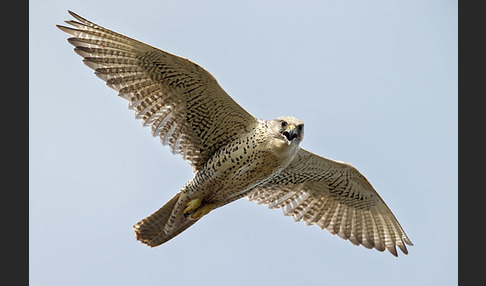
(290, 133)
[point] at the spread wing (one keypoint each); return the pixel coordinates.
(182, 102)
(336, 196)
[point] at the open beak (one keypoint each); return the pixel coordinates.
(290, 133)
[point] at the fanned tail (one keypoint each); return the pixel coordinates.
(150, 230)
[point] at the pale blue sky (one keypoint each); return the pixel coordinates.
(374, 81)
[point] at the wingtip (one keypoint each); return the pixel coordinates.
(403, 248)
(65, 29)
(73, 14)
(79, 18)
(392, 250)
(408, 241)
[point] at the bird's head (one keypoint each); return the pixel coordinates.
(290, 129)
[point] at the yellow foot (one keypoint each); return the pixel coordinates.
(192, 205)
(201, 211)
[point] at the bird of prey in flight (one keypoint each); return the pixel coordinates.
(233, 153)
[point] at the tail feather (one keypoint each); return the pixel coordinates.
(150, 230)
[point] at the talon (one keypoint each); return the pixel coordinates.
(192, 205)
(201, 211)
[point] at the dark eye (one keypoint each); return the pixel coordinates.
(299, 127)
(284, 123)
